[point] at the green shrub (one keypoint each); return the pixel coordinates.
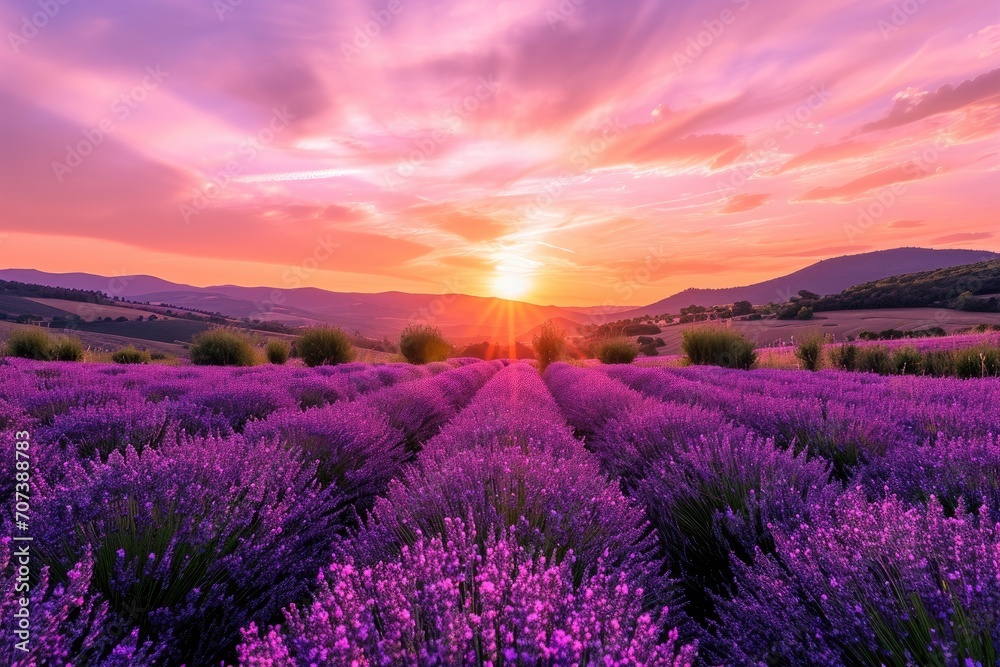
(810, 350)
(423, 344)
(907, 360)
(130, 355)
(845, 357)
(940, 363)
(66, 348)
(222, 347)
(874, 359)
(617, 351)
(324, 346)
(979, 361)
(716, 346)
(277, 351)
(649, 350)
(805, 313)
(30, 343)
(548, 343)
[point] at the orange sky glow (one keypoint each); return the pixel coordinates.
(575, 152)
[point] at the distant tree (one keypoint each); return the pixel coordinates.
(805, 313)
(617, 351)
(422, 344)
(324, 346)
(549, 343)
(808, 296)
(277, 351)
(741, 308)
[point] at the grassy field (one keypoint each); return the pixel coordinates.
(841, 324)
(102, 342)
(19, 305)
(90, 311)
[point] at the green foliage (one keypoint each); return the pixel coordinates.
(640, 328)
(30, 343)
(66, 348)
(716, 346)
(805, 313)
(423, 344)
(617, 351)
(36, 344)
(907, 360)
(874, 359)
(954, 287)
(741, 308)
(845, 357)
(649, 350)
(130, 355)
(549, 343)
(810, 350)
(977, 362)
(940, 363)
(277, 351)
(324, 346)
(222, 347)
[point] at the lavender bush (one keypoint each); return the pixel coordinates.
(445, 601)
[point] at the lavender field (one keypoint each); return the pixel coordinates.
(481, 513)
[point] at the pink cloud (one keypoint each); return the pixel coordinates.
(890, 176)
(745, 202)
(910, 106)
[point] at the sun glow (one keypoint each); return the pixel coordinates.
(510, 285)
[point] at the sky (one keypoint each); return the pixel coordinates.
(576, 152)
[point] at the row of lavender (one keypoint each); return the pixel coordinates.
(502, 545)
(454, 517)
(831, 518)
(171, 507)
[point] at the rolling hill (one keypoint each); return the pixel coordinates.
(469, 319)
(971, 287)
(830, 276)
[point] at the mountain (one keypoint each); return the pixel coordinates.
(830, 276)
(461, 317)
(970, 287)
(472, 319)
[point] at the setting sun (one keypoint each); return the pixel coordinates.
(508, 285)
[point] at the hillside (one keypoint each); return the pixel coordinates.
(970, 287)
(830, 276)
(470, 319)
(463, 317)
